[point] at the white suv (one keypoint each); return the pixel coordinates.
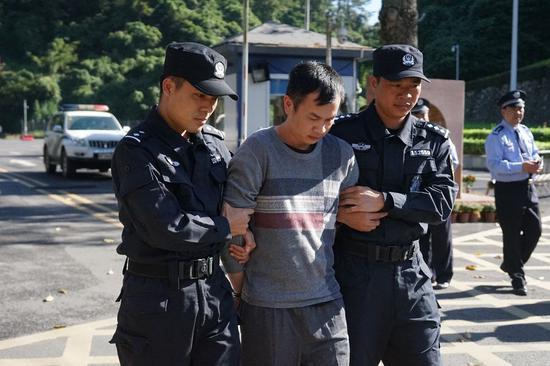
(81, 136)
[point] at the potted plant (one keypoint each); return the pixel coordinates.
(464, 213)
(489, 212)
(468, 181)
(475, 213)
(454, 212)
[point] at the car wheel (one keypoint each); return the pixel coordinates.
(68, 168)
(50, 168)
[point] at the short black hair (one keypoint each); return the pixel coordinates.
(312, 77)
(176, 79)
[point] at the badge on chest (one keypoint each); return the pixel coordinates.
(361, 146)
(421, 152)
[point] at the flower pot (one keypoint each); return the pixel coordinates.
(453, 216)
(463, 217)
(489, 216)
(475, 216)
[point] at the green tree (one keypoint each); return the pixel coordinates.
(20, 85)
(483, 31)
(398, 22)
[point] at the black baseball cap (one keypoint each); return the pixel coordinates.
(515, 98)
(200, 65)
(397, 61)
(422, 106)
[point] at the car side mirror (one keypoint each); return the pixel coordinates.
(57, 128)
(126, 128)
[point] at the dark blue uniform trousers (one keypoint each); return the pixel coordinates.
(391, 311)
(194, 325)
(519, 218)
(437, 249)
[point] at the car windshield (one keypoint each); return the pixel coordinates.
(92, 123)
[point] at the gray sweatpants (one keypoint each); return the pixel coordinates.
(312, 335)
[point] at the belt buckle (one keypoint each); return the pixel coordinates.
(383, 253)
(200, 268)
(399, 254)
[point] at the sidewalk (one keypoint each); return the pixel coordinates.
(80, 345)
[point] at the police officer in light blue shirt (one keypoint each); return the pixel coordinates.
(512, 159)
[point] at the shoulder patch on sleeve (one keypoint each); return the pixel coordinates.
(497, 130)
(134, 136)
(433, 127)
(345, 117)
(209, 130)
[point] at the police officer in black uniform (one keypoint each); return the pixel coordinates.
(405, 181)
(437, 244)
(168, 176)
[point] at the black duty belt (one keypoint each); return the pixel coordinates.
(193, 269)
(379, 253)
(516, 182)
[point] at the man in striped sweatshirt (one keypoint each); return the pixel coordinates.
(291, 307)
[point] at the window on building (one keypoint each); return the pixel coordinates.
(276, 110)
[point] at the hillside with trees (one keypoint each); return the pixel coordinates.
(483, 29)
(81, 51)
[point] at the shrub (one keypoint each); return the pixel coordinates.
(474, 146)
(488, 207)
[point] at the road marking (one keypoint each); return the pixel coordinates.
(73, 200)
(21, 162)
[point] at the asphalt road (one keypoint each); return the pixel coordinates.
(57, 237)
(61, 234)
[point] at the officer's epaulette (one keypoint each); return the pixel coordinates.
(209, 130)
(134, 136)
(497, 130)
(432, 127)
(344, 117)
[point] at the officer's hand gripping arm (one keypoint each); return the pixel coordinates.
(156, 213)
(433, 202)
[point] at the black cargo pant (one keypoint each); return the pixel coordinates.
(159, 324)
(519, 218)
(437, 249)
(391, 311)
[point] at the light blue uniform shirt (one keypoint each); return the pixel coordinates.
(504, 156)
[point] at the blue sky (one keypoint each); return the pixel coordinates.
(374, 6)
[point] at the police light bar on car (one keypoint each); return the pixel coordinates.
(85, 107)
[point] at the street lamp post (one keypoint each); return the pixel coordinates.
(456, 50)
(341, 34)
(514, 56)
(244, 71)
(25, 107)
(328, 60)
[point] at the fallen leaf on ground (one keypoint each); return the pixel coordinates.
(62, 291)
(48, 298)
(477, 254)
(59, 326)
(498, 256)
(108, 241)
(471, 267)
